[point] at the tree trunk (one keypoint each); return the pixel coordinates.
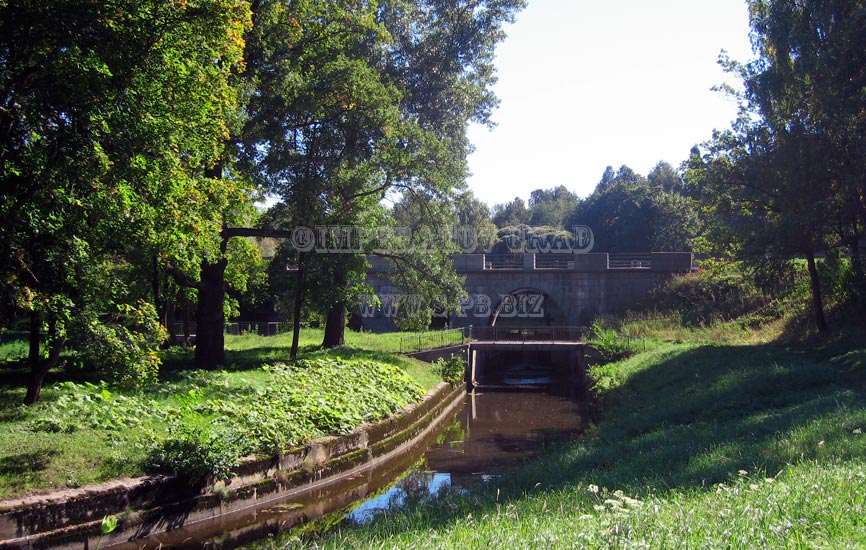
(34, 387)
(35, 351)
(335, 322)
(335, 326)
(299, 303)
(170, 310)
(210, 317)
(155, 288)
(857, 265)
(815, 283)
(41, 366)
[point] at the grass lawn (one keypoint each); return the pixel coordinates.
(84, 432)
(701, 446)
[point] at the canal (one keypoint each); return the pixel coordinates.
(496, 430)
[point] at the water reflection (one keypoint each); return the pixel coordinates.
(495, 432)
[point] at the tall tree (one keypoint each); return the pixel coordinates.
(376, 99)
(108, 116)
(664, 176)
(549, 207)
(787, 161)
(630, 214)
(511, 214)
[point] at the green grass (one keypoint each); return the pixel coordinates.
(13, 346)
(701, 446)
(84, 432)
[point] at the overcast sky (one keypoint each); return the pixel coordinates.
(584, 85)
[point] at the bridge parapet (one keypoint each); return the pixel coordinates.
(528, 334)
(677, 262)
(594, 262)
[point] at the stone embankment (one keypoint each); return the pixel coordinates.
(147, 507)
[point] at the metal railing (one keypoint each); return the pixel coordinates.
(432, 340)
(553, 261)
(529, 334)
(629, 261)
(262, 328)
(503, 261)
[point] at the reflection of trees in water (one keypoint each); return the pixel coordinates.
(453, 432)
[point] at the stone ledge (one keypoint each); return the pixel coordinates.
(146, 506)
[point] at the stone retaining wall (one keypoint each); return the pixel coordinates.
(146, 506)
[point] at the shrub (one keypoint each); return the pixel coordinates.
(609, 345)
(194, 455)
(123, 346)
(451, 370)
(701, 299)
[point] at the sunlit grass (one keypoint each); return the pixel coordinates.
(94, 436)
(701, 446)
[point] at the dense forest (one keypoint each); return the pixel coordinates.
(138, 138)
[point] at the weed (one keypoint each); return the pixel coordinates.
(609, 345)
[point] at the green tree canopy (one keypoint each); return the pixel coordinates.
(630, 214)
(109, 116)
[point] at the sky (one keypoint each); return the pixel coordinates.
(589, 84)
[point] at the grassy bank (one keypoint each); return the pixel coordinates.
(702, 446)
(84, 432)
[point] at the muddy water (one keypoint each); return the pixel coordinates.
(495, 432)
(492, 433)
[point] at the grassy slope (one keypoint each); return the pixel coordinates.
(703, 446)
(39, 461)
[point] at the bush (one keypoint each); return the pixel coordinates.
(194, 455)
(701, 299)
(123, 346)
(452, 370)
(609, 345)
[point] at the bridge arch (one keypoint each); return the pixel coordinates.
(527, 306)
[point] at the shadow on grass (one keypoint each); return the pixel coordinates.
(695, 418)
(180, 360)
(26, 463)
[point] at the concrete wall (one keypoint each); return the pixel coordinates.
(572, 296)
(429, 356)
(151, 507)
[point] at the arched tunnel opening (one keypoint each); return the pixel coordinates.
(527, 307)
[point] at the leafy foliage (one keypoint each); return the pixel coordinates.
(302, 401)
(608, 343)
(123, 346)
(783, 181)
(110, 115)
(709, 296)
(451, 370)
(214, 419)
(195, 454)
(629, 213)
(95, 407)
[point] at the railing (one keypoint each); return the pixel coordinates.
(503, 261)
(432, 340)
(529, 334)
(629, 261)
(263, 329)
(553, 261)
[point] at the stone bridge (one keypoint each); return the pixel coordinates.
(535, 289)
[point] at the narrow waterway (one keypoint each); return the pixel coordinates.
(494, 431)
